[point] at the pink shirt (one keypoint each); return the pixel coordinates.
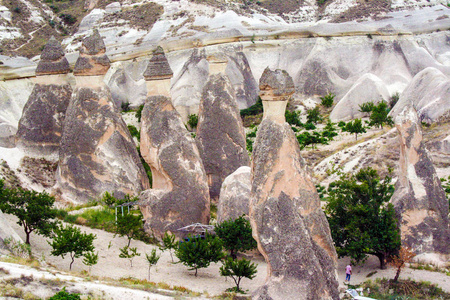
(348, 269)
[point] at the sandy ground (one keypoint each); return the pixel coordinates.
(208, 280)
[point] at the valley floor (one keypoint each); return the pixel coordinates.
(208, 282)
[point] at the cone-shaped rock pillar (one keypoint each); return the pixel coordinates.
(419, 198)
(220, 133)
(292, 232)
(97, 152)
(40, 127)
(180, 194)
(158, 74)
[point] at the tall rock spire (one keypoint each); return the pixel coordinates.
(419, 198)
(41, 125)
(288, 223)
(97, 151)
(220, 133)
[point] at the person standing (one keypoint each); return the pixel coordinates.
(348, 273)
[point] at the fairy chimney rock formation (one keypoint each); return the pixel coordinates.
(180, 195)
(419, 198)
(275, 89)
(234, 195)
(217, 63)
(40, 127)
(93, 60)
(97, 151)
(288, 223)
(220, 133)
(158, 74)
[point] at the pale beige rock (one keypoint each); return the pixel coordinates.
(419, 199)
(285, 213)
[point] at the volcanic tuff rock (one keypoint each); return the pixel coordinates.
(368, 88)
(220, 133)
(158, 66)
(40, 127)
(234, 195)
(428, 93)
(179, 194)
(287, 221)
(7, 232)
(419, 198)
(92, 59)
(52, 60)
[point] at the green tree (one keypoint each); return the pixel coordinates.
(306, 139)
(328, 100)
(238, 269)
(379, 115)
(90, 259)
(63, 295)
(168, 243)
(355, 127)
(129, 225)
(199, 253)
(362, 221)
(329, 131)
(293, 118)
(70, 240)
(33, 210)
(366, 107)
(152, 260)
(192, 121)
(313, 115)
(255, 109)
(236, 235)
(129, 253)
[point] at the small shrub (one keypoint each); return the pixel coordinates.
(139, 112)
(255, 109)
(63, 295)
(68, 19)
(192, 121)
(134, 132)
(328, 100)
(168, 243)
(152, 259)
(394, 99)
(313, 115)
(238, 269)
(129, 253)
(125, 106)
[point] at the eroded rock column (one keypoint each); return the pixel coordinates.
(97, 151)
(287, 221)
(220, 133)
(41, 125)
(180, 194)
(419, 198)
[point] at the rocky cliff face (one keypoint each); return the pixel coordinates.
(419, 198)
(180, 194)
(291, 229)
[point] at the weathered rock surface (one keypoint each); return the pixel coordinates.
(158, 67)
(97, 152)
(287, 221)
(368, 88)
(419, 198)
(180, 194)
(220, 133)
(52, 60)
(41, 125)
(234, 195)
(92, 60)
(6, 232)
(428, 93)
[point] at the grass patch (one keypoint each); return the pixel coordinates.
(384, 289)
(21, 261)
(145, 285)
(428, 267)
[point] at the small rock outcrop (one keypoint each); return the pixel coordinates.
(40, 127)
(6, 232)
(158, 74)
(93, 59)
(287, 220)
(234, 195)
(179, 194)
(220, 133)
(97, 152)
(419, 198)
